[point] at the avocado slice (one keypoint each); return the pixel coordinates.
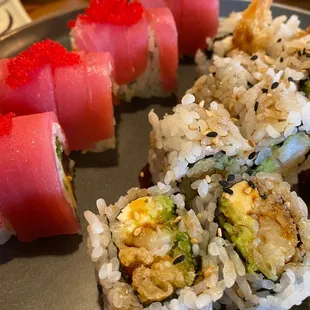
(286, 157)
(261, 228)
(183, 256)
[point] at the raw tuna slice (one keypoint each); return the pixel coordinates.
(120, 29)
(34, 97)
(195, 20)
(86, 111)
(35, 191)
(166, 36)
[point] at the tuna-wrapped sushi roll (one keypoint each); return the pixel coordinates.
(36, 194)
(78, 88)
(151, 253)
(195, 20)
(142, 42)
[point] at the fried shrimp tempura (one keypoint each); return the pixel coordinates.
(252, 31)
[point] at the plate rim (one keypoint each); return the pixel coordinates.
(77, 9)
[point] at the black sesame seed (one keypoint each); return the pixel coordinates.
(179, 259)
(250, 85)
(228, 190)
(252, 156)
(256, 106)
(279, 40)
(254, 57)
(251, 184)
(265, 90)
(212, 134)
(224, 183)
(281, 59)
(299, 53)
(304, 51)
(290, 79)
(263, 196)
(231, 178)
(274, 85)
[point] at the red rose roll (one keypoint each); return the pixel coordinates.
(36, 196)
(77, 87)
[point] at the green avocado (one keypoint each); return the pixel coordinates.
(306, 88)
(183, 248)
(166, 205)
(241, 216)
(288, 155)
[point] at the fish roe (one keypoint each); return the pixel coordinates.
(39, 54)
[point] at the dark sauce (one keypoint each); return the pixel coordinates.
(303, 185)
(145, 177)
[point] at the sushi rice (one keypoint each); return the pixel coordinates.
(247, 107)
(148, 84)
(226, 280)
(264, 88)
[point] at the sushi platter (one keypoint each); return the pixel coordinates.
(132, 178)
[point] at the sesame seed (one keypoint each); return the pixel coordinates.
(231, 178)
(194, 241)
(251, 143)
(265, 90)
(304, 51)
(274, 85)
(137, 231)
(252, 156)
(256, 106)
(224, 183)
(177, 220)
(142, 174)
(219, 232)
(299, 53)
(228, 190)
(281, 59)
(251, 184)
(212, 134)
(263, 196)
(290, 79)
(225, 196)
(208, 179)
(179, 260)
(136, 216)
(192, 127)
(279, 40)
(247, 190)
(254, 57)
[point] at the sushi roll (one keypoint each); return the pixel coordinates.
(269, 228)
(195, 21)
(36, 193)
(48, 78)
(142, 42)
(151, 253)
(191, 135)
(264, 84)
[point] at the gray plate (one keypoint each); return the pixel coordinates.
(55, 273)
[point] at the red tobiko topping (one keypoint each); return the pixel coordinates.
(118, 12)
(36, 56)
(6, 124)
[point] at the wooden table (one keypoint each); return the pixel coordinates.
(40, 8)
